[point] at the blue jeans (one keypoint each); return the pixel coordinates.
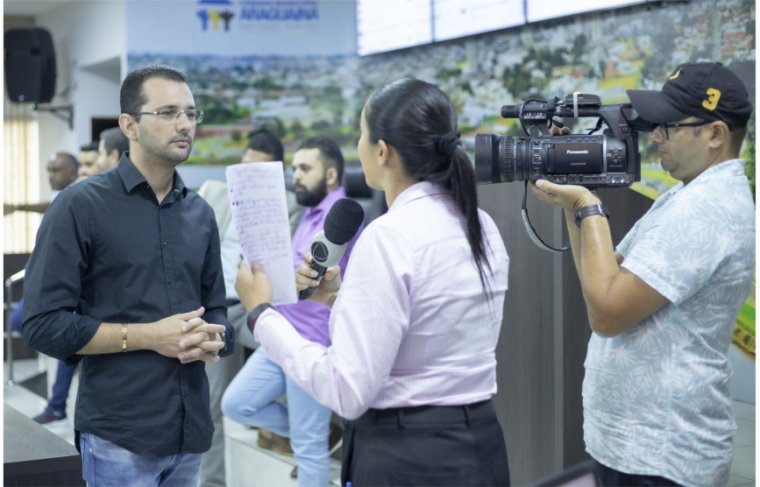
(17, 316)
(105, 464)
(61, 386)
(251, 399)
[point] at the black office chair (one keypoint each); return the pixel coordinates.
(371, 200)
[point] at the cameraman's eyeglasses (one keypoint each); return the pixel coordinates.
(194, 116)
(665, 126)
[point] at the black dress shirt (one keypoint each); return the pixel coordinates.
(107, 251)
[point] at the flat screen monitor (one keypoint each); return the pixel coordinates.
(542, 10)
(457, 18)
(388, 25)
(392, 24)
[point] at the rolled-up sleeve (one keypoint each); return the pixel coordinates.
(52, 284)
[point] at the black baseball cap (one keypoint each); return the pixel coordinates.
(708, 91)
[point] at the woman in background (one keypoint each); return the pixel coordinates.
(414, 327)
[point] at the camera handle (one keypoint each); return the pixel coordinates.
(532, 231)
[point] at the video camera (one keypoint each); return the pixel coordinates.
(608, 160)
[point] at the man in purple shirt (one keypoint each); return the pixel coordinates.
(251, 397)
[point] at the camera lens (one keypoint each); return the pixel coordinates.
(501, 158)
(486, 157)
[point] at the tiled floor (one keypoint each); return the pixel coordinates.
(241, 441)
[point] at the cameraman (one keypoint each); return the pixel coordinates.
(657, 408)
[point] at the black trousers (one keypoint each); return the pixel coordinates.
(425, 446)
(615, 478)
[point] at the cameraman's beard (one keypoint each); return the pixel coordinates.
(314, 197)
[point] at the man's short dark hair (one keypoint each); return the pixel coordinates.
(329, 150)
(92, 146)
(68, 158)
(114, 139)
(265, 141)
(132, 97)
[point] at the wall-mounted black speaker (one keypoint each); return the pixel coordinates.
(29, 65)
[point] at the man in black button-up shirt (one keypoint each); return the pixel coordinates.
(126, 276)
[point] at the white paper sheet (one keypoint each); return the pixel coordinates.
(260, 216)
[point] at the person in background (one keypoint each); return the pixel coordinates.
(113, 143)
(412, 360)
(251, 397)
(259, 142)
(263, 146)
(88, 160)
(94, 158)
(62, 170)
(126, 278)
(662, 305)
(54, 415)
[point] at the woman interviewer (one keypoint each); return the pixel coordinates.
(414, 327)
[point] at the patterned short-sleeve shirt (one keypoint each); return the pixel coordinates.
(656, 398)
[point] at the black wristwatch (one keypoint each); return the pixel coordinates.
(223, 337)
(590, 210)
(254, 314)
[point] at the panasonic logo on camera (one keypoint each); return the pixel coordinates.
(577, 152)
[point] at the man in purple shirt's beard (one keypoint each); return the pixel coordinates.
(252, 396)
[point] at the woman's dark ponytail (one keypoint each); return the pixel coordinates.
(447, 144)
(459, 179)
(419, 121)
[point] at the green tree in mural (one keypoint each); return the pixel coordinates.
(275, 126)
(749, 154)
(658, 65)
(331, 98)
(297, 130)
(515, 81)
(444, 74)
(266, 83)
(220, 111)
(322, 127)
(580, 44)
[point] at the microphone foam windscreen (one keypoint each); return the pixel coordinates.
(343, 221)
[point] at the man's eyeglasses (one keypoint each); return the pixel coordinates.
(665, 126)
(194, 116)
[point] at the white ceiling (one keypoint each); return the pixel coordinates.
(30, 7)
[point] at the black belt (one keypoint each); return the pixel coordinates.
(231, 302)
(427, 414)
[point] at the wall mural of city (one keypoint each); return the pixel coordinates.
(603, 53)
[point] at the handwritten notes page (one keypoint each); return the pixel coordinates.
(260, 216)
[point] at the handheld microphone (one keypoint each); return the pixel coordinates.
(328, 246)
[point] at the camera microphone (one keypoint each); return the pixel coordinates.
(328, 246)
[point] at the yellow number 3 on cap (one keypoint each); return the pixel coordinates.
(713, 96)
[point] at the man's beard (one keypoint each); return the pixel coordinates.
(166, 152)
(314, 197)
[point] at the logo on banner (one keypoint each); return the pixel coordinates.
(215, 15)
(278, 11)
